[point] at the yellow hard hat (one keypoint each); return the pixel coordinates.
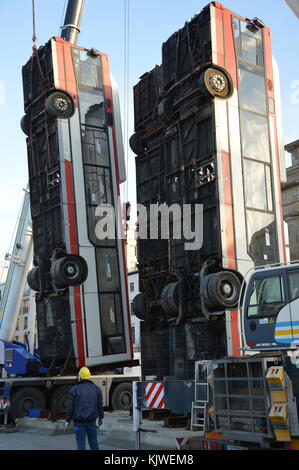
(84, 373)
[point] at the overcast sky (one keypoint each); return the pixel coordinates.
(151, 23)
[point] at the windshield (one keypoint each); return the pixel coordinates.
(266, 298)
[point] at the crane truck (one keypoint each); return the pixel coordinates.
(76, 164)
(208, 130)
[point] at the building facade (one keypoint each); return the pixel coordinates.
(291, 200)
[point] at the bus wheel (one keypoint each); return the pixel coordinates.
(71, 270)
(139, 306)
(216, 82)
(222, 290)
(122, 397)
(60, 104)
(135, 143)
(25, 124)
(33, 279)
(26, 399)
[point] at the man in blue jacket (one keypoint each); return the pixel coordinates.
(85, 407)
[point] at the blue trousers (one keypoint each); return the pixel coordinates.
(86, 429)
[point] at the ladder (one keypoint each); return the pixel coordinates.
(199, 405)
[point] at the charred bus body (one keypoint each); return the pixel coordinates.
(75, 160)
(207, 131)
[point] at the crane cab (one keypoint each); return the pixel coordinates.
(270, 308)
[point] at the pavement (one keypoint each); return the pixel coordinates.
(116, 433)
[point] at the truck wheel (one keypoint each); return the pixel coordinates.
(222, 290)
(71, 270)
(216, 82)
(26, 399)
(122, 397)
(60, 398)
(25, 124)
(33, 279)
(60, 104)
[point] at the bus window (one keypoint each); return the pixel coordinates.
(293, 281)
(266, 298)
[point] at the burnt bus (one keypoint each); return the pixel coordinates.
(76, 164)
(207, 131)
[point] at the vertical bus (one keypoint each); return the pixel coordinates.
(207, 131)
(76, 164)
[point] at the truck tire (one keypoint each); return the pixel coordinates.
(60, 105)
(60, 397)
(122, 397)
(222, 290)
(216, 82)
(71, 270)
(26, 399)
(33, 279)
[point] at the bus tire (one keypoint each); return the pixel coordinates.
(216, 82)
(25, 124)
(60, 104)
(71, 270)
(222, 290)
(33, 279)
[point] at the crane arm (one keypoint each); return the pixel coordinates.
(71, 27)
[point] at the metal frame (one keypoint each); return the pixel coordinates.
(253, 435)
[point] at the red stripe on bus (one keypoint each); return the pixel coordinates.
(60, 64)
(219, 36)
(71, 207)
(229, 215)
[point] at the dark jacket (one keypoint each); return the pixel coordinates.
(85, 403)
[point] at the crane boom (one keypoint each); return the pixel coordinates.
(71, 27)
(20, 263)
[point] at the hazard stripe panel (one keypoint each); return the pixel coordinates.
(154, 394)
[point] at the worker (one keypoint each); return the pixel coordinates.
(85, 408)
